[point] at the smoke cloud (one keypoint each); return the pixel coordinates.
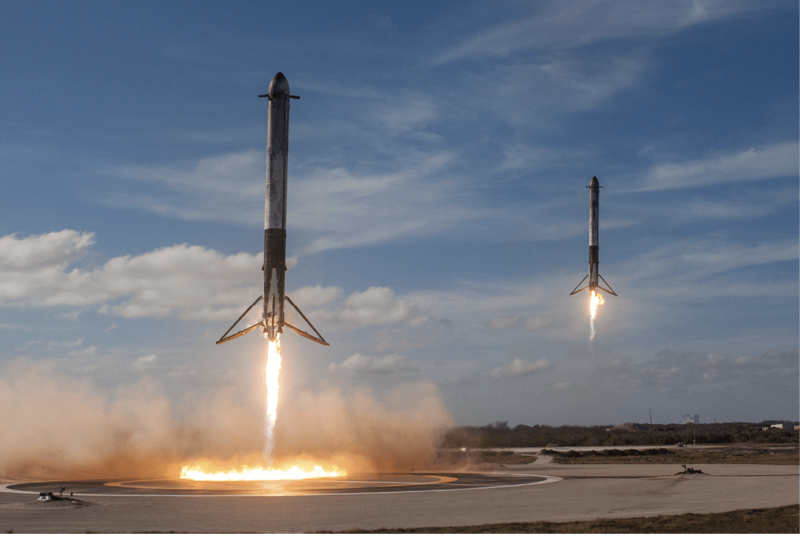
(57, 426)
(360, 432)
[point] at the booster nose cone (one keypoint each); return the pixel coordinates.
(594, 184)
(279, 85)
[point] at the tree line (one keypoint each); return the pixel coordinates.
(500, 436)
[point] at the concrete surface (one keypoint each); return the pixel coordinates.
(586, 492)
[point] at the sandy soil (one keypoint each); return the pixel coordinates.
(587, 492)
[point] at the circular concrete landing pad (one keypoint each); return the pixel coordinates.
(354, 484)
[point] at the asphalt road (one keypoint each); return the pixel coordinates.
(585, 492)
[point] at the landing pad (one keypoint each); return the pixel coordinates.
(353, 484)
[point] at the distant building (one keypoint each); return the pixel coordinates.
(784, 426)
(691, 419)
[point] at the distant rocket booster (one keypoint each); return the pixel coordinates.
(274, 298)
(594, 249)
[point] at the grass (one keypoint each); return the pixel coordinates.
(783, 519)
(734, 454)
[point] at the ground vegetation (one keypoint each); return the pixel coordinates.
(499, 435)
(743, 453)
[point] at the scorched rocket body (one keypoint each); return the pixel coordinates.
(273, 318)
(594, 248)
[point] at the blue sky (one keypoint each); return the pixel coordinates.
(438, 216)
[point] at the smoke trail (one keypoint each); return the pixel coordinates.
(272, 372)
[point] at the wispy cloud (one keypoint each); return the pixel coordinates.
(363, 364)
(685, 373)
(375, 306)
(699, 258)
(577, 23)
(228, 187)
(338, 207)
(779, 160)
(535, 323)
(520, 367)
(144, 363)
(53, 344)
(503, 323)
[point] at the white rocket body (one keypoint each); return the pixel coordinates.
(273, 318)
(594, 245)
(275, 206)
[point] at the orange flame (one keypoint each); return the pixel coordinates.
(253, 473)
(272, 373)
(258, 473)
(594, 301)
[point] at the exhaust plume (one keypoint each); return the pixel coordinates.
(57, 426)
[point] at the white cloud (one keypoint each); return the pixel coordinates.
(145, 363)
(697, 258)
(65, 344)
(50, 250)
(574, 24)
(91, 350)
(758, 202)
(346, 209)
(520, 367)
(503, 323)
(376, 306)
(217, 188)
(183, 281)
(535, 323)
(779, 160)
(690, 373)
(190, 282)
(414, 111)
(316, 296)
(339, 208)
(362, 364)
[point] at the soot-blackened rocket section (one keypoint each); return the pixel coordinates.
(594, 246)
(274, 298)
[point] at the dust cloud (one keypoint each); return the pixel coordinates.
(57, 426)
(361, 433)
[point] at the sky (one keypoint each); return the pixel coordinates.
(437, 209)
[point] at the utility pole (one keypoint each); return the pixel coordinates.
(651, 416)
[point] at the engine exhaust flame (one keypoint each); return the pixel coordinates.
(594, 301)
(258, 473)
(248, 473)
(272, 372)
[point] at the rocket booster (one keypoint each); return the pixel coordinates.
(274, 297)
(275, 206)
(594, 247)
